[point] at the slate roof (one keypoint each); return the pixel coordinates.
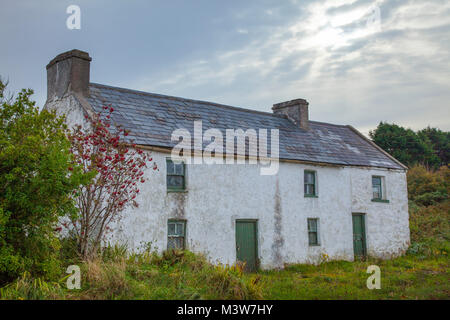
(151, 119)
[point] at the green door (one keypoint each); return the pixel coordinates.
(246, 246)
(359, 236)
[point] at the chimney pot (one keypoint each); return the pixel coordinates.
(68, 72)
(295, 110)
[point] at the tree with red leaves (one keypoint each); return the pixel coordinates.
(117, 169)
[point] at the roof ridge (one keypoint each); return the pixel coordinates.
(188, 100)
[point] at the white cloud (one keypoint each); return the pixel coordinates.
(349, 72)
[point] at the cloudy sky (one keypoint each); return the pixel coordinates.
(357, 62)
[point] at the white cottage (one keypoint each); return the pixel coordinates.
(335, 194)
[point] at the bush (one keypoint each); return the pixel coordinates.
(114, 252)
(427, 187)
(429, 209)
(430, 230)
(36, 186)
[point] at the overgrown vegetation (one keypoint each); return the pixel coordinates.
(429, 209)
(118, 275)
(426, 188)
(35, 186)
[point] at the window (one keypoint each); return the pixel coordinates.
(176, 234)
(376, 188)
(313, 231)
(310, 183)
(378, 192)
(176, 176)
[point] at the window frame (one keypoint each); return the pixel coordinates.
(175, 188)
(177, 221)
(382, 187)
(317, 231)
(314, 184)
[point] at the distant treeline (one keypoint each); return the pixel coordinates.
(429, 147)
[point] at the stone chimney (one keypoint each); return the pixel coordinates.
(68, 72)
(296, 111)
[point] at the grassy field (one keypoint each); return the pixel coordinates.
(423, 273)
(183, 275)
(403, 278)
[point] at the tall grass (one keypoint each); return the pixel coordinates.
(26, 288)
(119, 274)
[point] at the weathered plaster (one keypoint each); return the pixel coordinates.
(69, 106)
(218, 195)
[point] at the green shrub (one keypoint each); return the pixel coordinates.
(430, 224)
(427, 187)
(114, 252)
(36, 186)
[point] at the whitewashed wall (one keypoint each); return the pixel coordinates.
(217, 195)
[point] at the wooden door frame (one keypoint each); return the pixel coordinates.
(363, 215)
(255, 222)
